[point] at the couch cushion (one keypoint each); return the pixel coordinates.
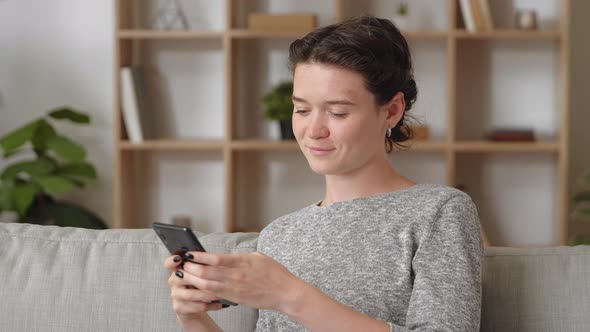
(536, 289)
(72, 279)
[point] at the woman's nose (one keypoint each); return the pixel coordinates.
(317, 127)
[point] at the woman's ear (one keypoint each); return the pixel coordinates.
(395, 109)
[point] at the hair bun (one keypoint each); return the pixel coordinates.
(410, 91)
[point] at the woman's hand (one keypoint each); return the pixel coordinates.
(259, 281)
(253, 279)
(190, 304)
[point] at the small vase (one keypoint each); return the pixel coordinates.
(287, 130)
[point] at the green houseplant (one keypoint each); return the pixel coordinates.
(57, 166)
(278, 106)
(401, 19)
(581, 207)
(402, 9)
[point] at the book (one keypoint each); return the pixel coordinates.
(477, 15)
(141, 74)
(467, 15)
(486, 14)
(512, 135)
(421, 132)
(129, 106)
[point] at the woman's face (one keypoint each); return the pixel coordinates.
(336, 121)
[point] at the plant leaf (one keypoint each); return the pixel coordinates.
(55, 184)
(66, 215)
(34, 168)
(22, 197)
(581, 240)
(18, 137)
(277, 102)
(42, 134)
(78, 171)
(69, 114)
(66, 149)
(583, 211)
(582, 196)
(6, 188)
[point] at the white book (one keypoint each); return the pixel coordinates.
(129, 105)
(467, 15)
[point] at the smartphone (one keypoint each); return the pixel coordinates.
(179, 240)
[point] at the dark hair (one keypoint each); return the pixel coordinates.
(373, 47)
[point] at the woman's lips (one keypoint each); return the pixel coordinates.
(319, 151)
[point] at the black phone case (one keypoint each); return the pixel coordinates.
(179, 240)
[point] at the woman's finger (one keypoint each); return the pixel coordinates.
(190, 307)
(208, 258)
(192, 280)
(204, 271)
(172, 262)
(176, 281)
(194, 295)
(181, 278)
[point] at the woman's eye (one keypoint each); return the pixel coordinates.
(301, 111)
(338, 115)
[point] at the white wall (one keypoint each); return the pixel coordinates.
(55, 53)
(60, 52)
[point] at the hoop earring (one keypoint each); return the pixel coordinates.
(388, 132)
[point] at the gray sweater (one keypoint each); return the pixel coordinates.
(411, 258)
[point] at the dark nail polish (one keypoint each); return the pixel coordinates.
(188, 255)
(176, 259)
(224, 306)
(179, 274)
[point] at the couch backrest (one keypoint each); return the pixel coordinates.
(71, 279)
(65, 279)
(536, 289)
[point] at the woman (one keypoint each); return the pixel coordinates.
(378, 252)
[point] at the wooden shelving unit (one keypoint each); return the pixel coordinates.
(507, 34)
(452, 146)
(484, 146)
(174, 145)
(149, 34)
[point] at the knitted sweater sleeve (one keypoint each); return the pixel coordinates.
(446, 294)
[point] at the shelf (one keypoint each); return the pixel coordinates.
(425, 146)
(168, 34)
(485, 146)
(269, 145)
(264, 145)
(425, 34)
(247, 34)
(507, 34)
(174, 145)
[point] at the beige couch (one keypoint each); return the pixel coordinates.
(69, 279)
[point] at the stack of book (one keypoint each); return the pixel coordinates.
(476, 15)
(512, 135)
(421, 133)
